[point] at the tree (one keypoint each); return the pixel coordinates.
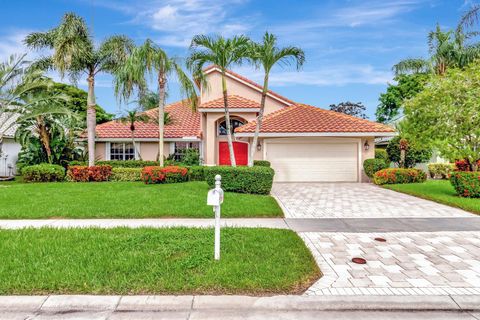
(75, 53)
(152, 60)
(391, 102)
(447, 49)
(266, 55)
(148, 100)
(224, 53)
(408, 155)
(445, 114)
(131, 118)
(350, 108)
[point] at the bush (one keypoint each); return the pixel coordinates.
(196, 173)
(255, 179)
(43, 172)
(126, 174)
(464, 165)
(86, 174)
(190, 157)
(382, 155)
(170, 174)
(261, 163)
(370, 166)
(414, 154)
(118, 163)
(440, 170)
(466, 184)
(399, 175)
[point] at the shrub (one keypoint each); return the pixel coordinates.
(261, 163)
(440, 170)
(43, 172)
(170, 174)
(255, 179)
(196, 173)
(126, 174)
(370, 166)
(190, 157)
(118, 163)
(414, 154)
(382, 155)
(464, 165)
(466, 184)
(86, 174)
(399, 175)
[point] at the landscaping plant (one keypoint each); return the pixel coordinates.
(44, 172)
(370, 166)
(466, 184)
(169, 174)
(413, 155)
(262, 163)
(256, 179)
(89, 174)
(440, 170)
(126, 174)
(383, 155)
(399, 175)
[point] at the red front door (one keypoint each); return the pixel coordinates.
(239, 148)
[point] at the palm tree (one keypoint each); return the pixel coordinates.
(75, 53)
(266, 54)
(447, 50)
(152, 60)
(224, 53)
(132, 117)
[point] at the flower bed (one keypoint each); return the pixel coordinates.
(169, 174)
(86, 174)
(399, 175)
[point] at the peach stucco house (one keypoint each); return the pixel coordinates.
(303, 143)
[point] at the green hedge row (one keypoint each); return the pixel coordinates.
(43, 172)
(118, 163)
(370, 166)
(126, 174)
(466, 183)
(256, 179)
(399, 175)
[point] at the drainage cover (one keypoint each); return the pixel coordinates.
(359, 260)
(380, 239)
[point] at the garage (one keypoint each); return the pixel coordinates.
(313, 161)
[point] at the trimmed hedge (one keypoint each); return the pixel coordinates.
(126, 174)
(89, 174)
(262, 163)
(196, 173)
(370, 166)
(440, 170)
(170, 174)
(118, 163)
(256, 179)
(399, 175)
(466, 184)
(383, 155)
(43, 172)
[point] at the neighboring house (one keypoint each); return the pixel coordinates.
(303, 143)
(9, 148)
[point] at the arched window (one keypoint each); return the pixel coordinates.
(234, 123)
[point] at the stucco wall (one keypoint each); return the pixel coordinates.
(100, 151)
(9, 157)
(149, 150)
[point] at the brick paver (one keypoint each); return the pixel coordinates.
(409, 263)
(354, 200)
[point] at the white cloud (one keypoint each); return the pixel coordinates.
(11, 43)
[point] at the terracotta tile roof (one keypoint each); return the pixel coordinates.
(305, 118)
(253, 83)
(185, 123)
(234, 101)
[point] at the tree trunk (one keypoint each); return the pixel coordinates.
(44, 138)
(253, 147)
(402, 158)
(91, 119)
(135, 145)
(233, 161)
(161, 116)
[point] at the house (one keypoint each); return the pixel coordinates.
(9, 148)
(302, 142)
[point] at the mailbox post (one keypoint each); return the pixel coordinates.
(215, 199)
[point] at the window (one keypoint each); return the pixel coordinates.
(180, 148)
(121, 151)
(234, 123)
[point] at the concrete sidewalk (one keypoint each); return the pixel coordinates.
(235, 307)
(299, 225)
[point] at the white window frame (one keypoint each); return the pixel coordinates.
(108, 148)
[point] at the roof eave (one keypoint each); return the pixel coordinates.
(316, 134)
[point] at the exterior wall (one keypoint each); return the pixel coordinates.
(369, 154)
(9, 157)
(149, 150)
(100, 151)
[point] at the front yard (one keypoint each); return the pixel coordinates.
(124, 200)
(439, 191)
(153, 261)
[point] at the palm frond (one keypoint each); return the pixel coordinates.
(415, 65)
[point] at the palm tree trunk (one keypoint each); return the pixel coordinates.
(44, 138)
(91, 119)
(233, 161)
(259, 121)
(161, 115)
(135, 145)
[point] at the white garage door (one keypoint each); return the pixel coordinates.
(314, 162)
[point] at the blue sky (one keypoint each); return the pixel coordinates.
(350, 45)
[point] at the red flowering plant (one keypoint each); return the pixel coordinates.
(399, 175)
(86, 174)
(169, 174)
(153, 174)
(466, 184)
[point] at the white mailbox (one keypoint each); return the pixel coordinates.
(215, 197)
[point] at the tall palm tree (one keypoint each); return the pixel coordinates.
(131, 118)
(447, 50)
(150, 59)
(75, 53)
(224, 53)
(266, 55)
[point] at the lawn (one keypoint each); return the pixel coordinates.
(439, 191)
(124, 200)
(153, 261)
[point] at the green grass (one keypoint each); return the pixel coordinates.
(153, 261)
(439, 191)
(124, 200)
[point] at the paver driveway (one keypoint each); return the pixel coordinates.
(354, 200)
